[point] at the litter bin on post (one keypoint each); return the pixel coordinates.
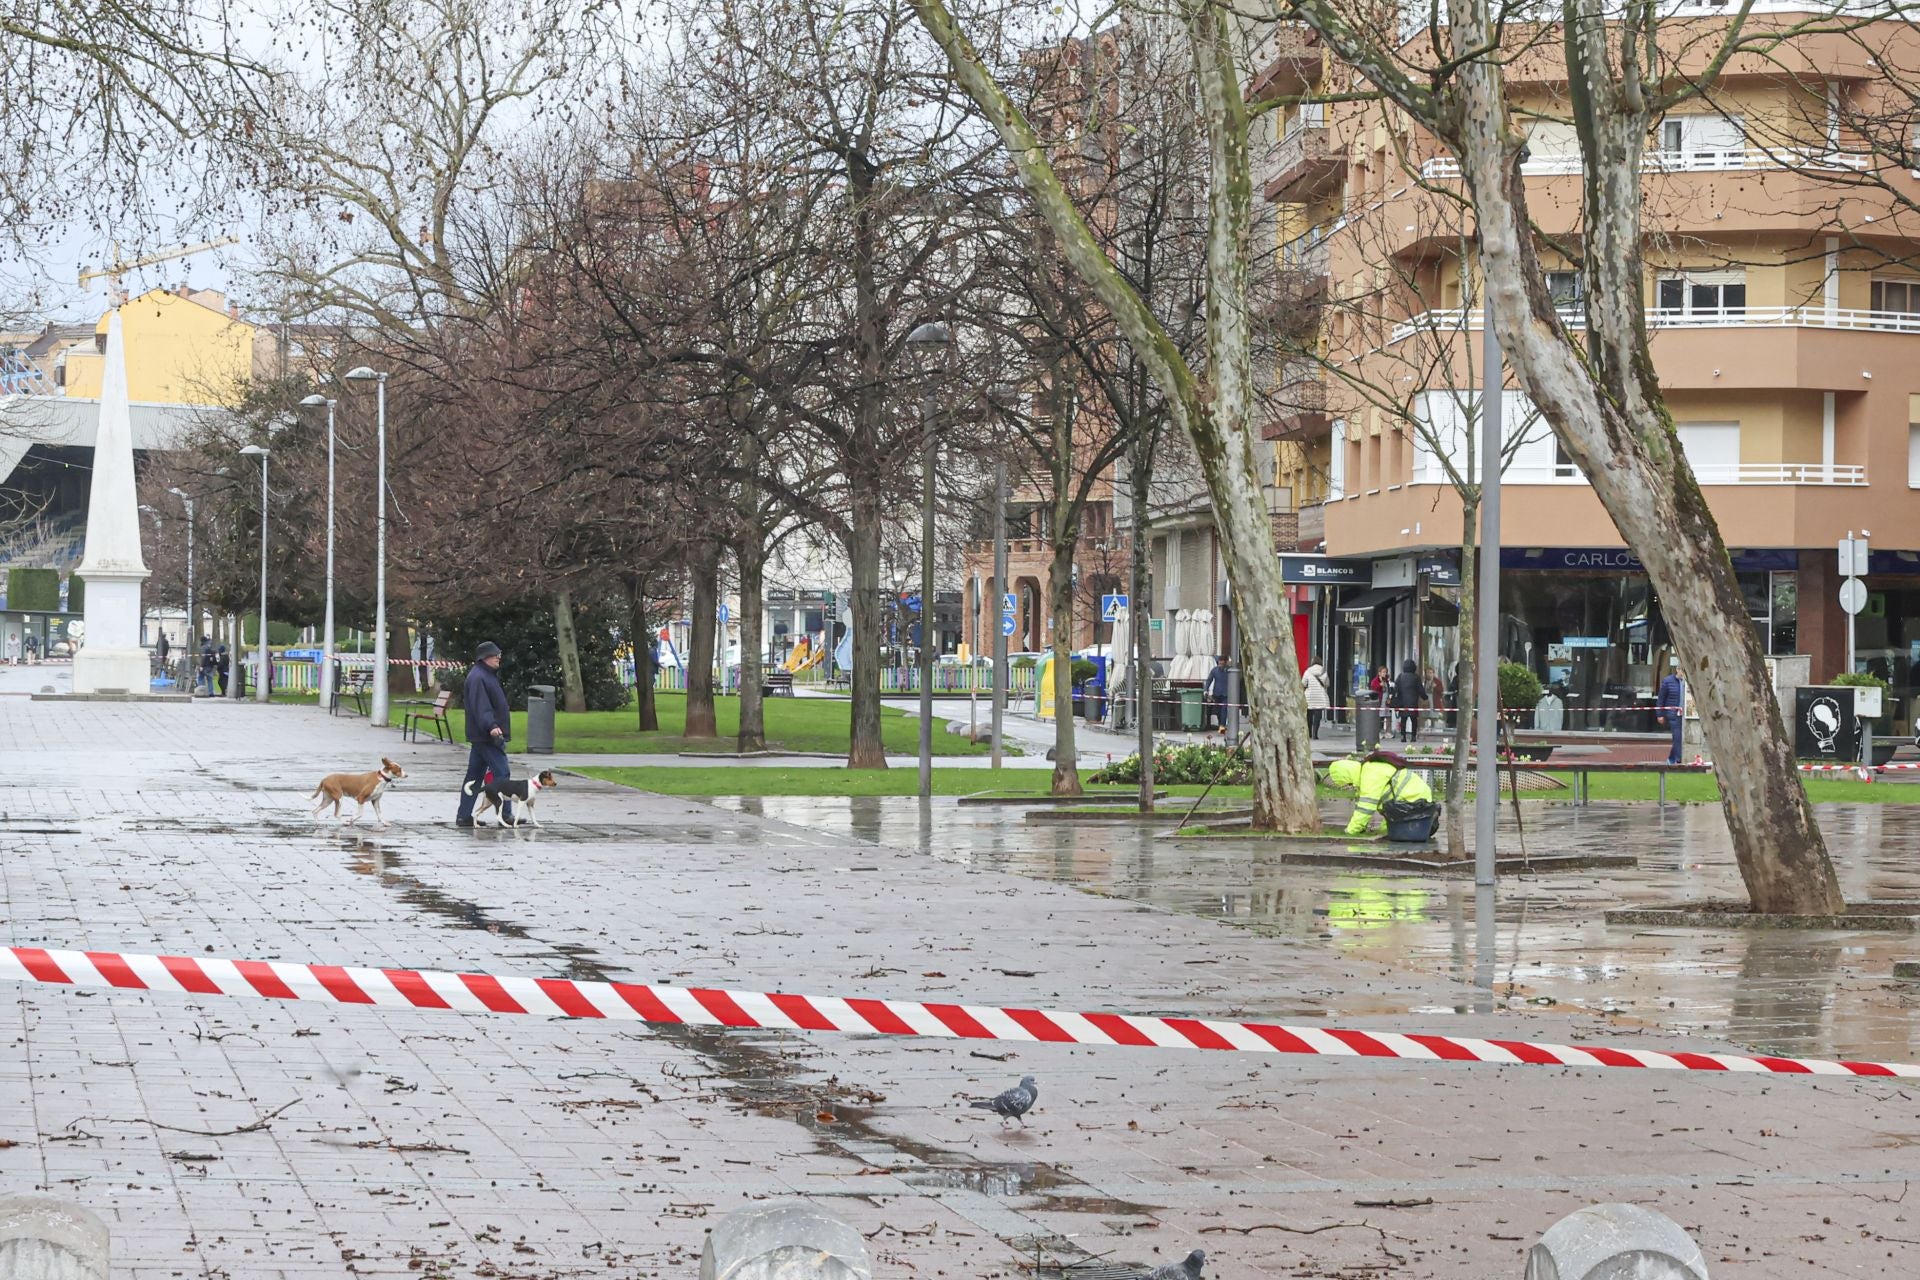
(1366, 728)
(540, 706)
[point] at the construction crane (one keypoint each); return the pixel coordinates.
(113, 271)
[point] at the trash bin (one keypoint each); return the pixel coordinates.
(1193, 710)
(540, 705)
(1410, 823)
(1366, 728)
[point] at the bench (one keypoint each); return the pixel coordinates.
(355, 684)
(432, 714)
(778, 684)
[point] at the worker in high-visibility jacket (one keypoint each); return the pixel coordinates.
(1377, 781)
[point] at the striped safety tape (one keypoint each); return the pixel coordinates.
(714, 1007)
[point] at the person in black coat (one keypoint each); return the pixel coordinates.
(489, 729)
(1408, 694)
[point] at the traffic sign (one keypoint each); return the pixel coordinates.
(1853, 556)
(1110, 607)
(1007, 603)
(1853, 595)
(1006, 624)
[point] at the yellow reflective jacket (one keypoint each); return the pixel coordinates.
(1377, 782)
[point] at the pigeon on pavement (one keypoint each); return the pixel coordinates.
(1187, 1270)
(1015, 1102)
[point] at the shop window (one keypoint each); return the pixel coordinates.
(1899, 296)
(1786, 613)
(1703, 293)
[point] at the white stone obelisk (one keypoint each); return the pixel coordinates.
(110, 658)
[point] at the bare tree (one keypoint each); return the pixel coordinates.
(1216, 407)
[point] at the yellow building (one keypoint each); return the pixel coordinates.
(184, 347)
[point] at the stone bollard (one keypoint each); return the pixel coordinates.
(44, 1239)
(783, 1240)
(1616, 1242)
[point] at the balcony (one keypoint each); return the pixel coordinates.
(1313, 525)
(1290, 62)
(1736, 473)
(1415, 18)
(1734, 160)
(1299, 291)
(1306, 167)
(1303, 400)
(1845, 318)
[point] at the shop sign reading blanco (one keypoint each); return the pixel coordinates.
(1351, 573)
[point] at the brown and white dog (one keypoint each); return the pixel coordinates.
(362, 787)
(520, 793)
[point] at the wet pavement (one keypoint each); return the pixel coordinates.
(256, 1139)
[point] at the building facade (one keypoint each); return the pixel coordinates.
(1785, 331)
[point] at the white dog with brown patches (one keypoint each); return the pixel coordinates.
(365, 788)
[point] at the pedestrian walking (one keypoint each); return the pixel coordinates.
(1408, 693)
(33, 649)
(489, 730)
(13, 648)
(222, 668)
(1214, 693)
(206, 667)
(160, 652)
(1672, 710)
(1313, 682)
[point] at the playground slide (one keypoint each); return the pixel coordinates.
(801, 656)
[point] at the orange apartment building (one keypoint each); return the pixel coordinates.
(1784, 300)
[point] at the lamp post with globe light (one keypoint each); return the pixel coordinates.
(326, 631)
(263, 689)
(378, 718)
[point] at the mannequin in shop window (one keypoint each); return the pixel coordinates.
(1551, 711)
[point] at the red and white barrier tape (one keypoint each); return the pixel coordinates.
(713, 1007)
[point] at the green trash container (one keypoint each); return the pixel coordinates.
(1193, 711)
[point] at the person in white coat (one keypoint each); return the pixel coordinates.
(1313, 681)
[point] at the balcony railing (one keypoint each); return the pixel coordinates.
(1850, 318)
(1417, 15)
(1305, 165)
(1706, 161)
(1762, 473)
(1306, 254)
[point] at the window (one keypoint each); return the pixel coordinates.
(1337, 463)
(1704, 140)
(1566, 289)
(1902, 296)
(1712, 449)
(1702, 293)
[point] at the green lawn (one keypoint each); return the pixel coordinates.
(793, 724)
(709, 780)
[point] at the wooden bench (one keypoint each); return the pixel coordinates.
(355, 684)
(778, 684)
(432, 714)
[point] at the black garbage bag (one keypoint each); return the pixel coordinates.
(1411, 822)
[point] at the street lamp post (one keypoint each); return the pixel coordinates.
(193, 620)
(379, 717)
(262, 690)
(326, 633)
(930, 336)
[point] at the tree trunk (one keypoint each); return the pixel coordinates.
(1066, 757)
(701, 721)
(751, 555)
(1220, 418)
(573, 690)
(400, 669)
(1464, 674)
(865, 748)
(1140, 610)
(1606, 405)
(643, 639)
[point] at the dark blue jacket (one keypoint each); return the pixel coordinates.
(1215, 690)
(1673, 696)
(486, 704)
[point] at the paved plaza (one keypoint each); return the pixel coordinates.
(255, 1139)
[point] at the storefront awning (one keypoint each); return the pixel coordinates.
(1366, 601)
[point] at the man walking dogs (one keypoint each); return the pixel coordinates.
(489, 729)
